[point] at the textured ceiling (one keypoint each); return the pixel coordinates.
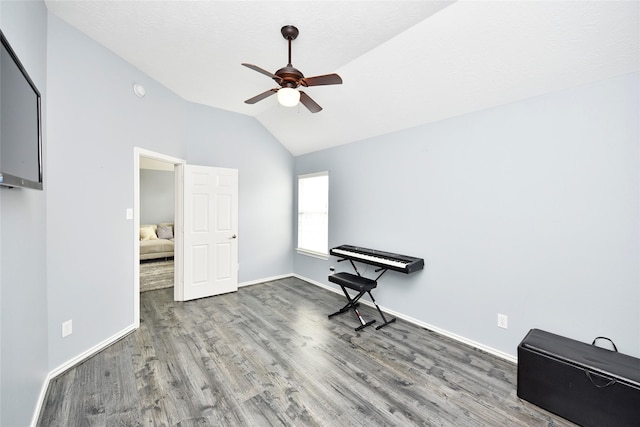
(403, 63)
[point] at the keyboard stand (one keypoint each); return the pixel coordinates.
(362, 285)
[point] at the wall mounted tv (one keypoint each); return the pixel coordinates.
(20, 124)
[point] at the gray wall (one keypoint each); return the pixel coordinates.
(23, 238)
(157, 196)
(529, 209)
(221, 138)
(95, 122)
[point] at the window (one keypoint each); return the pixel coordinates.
(313, 213)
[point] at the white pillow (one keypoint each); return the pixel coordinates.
(147, 233)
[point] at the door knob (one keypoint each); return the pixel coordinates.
(234, 236)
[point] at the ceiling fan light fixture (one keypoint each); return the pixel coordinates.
(288, 97)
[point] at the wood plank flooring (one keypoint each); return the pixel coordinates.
(268, 355)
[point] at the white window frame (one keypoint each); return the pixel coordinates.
(314, 251)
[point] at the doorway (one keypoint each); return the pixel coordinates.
(157, 213)
(153, 161)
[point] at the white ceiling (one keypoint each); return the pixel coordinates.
(403, 63)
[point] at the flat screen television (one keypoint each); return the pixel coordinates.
(20, 123)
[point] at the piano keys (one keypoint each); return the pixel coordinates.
(385, 260)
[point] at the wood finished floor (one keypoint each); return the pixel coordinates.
(268, 355)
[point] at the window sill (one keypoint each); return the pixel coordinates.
(312, 254)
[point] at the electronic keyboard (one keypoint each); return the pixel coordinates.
(386, 260)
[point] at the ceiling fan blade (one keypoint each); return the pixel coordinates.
(263, 71)
(260, 97)
(309, 103)
(327, 79)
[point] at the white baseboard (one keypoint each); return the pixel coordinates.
(267, 279)
(471, 343)
(40, 401)
(73, 362)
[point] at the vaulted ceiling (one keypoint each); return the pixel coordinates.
(403, 63)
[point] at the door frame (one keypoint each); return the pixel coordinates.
(178, 228)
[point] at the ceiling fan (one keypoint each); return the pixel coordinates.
(290, 78)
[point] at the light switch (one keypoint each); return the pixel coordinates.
(129, 213)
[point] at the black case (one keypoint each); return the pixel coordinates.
(585, 384)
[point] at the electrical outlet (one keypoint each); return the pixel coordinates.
(502, 321)
(67, 328)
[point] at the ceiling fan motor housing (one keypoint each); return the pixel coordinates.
(290, 77)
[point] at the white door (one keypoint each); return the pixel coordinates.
(210, 231)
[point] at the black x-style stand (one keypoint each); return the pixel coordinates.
(363, 286)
